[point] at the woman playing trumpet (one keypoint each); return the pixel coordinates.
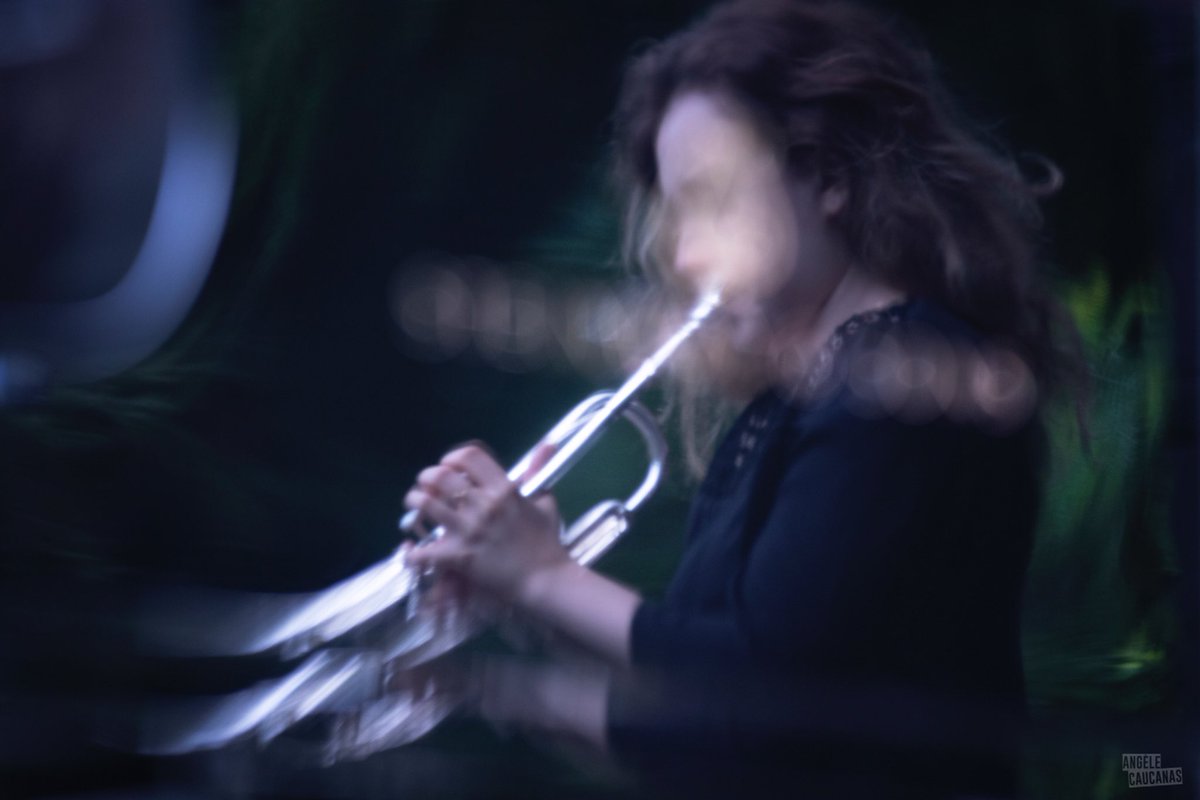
(868, 516)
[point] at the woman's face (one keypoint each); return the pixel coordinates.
(735, 219)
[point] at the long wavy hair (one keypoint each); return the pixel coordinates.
(933, 208)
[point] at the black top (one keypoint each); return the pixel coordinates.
(870, 532)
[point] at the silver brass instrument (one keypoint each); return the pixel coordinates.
(377, 616)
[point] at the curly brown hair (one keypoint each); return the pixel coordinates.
(933, 208)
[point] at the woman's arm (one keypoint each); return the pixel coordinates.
(590, 608)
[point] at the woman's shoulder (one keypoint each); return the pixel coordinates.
(917, 364)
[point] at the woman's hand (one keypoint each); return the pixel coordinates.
(506, 545)
(496, 539)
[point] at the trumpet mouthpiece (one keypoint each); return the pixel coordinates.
(707, 303)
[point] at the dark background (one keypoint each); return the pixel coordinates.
(268, 443)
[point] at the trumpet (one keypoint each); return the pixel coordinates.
(576, 432)
(378, 617)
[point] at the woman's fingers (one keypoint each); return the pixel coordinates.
(449, 553)
(495, 536)
(448, 483)
(478, 465)
(546, 503)
(433, 508)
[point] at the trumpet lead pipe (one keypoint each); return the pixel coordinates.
(566, 453)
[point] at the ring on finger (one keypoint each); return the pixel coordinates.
(459, 495)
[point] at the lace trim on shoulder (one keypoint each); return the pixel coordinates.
(822, 368)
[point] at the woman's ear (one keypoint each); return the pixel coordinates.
(834, 198)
